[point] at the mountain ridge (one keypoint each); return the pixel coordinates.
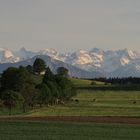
(53, 64)
(114, 63)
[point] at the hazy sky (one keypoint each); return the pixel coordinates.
(68, 25)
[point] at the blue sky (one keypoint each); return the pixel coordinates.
(68, 25)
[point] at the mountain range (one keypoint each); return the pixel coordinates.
(82, 63)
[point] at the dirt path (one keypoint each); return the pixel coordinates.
(95, 119)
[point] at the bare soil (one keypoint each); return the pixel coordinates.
(94, 119)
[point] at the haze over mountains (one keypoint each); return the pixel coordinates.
(84, 64)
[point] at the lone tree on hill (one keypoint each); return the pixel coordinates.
(39, 65)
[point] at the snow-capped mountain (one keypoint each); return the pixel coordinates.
(53, 64)
(7, 56)
(103, 61)
(119, 63)
(54, 54)
(24, 54)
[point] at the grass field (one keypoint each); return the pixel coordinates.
(24, 130)
(96, 103)
(85, 83)
(77, 82)
(91, 103)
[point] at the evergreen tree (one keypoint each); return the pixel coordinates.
(39, 65)
(62, 71)
(49, 76)
(54, 91)
(67, 88)
(44, 94)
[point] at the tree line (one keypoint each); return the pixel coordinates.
(17, 86)
(120, 81)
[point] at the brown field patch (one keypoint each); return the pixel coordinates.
(94, 119)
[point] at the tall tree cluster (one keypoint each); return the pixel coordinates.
(18, 87)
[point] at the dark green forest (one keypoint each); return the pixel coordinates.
(17, 87)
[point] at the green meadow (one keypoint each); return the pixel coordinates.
(95, 103)
(25, 130)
